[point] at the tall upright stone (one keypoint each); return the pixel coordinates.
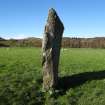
(51, 50)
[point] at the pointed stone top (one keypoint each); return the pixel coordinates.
(52, 14)
(54, 20)
(52, 10)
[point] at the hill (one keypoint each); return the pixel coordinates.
(67, 42)
(1, 39)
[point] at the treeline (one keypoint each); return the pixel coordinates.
(28, 42)
(98, 42)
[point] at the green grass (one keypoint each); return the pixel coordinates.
(81, 71)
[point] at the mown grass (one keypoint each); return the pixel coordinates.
(81, 82)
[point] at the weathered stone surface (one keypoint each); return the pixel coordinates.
(51, 49)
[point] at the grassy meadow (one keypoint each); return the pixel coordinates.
(81, 77)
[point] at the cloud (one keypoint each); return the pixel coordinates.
(15, 36)
(18, 36)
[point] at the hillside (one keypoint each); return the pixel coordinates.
(1, 39)
(97, 42)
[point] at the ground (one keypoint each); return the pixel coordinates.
(81, 77)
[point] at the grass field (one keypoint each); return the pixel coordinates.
(81, 82)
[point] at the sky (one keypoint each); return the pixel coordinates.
(27, 18)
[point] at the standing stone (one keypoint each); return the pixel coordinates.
(51, 50)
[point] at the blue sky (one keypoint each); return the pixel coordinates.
(27, 18)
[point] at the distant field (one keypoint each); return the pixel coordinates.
(81, 71)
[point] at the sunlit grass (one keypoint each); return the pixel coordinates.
(20, 69)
